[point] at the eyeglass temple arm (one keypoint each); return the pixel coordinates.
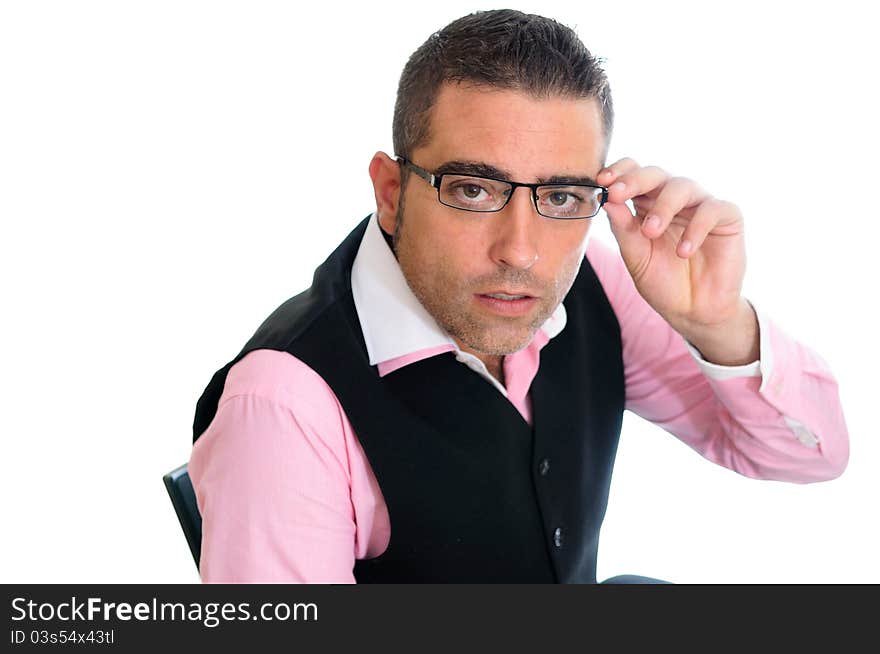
(433, 180)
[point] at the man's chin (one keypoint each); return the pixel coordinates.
(499, 344)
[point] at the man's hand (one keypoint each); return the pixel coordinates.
(686, 253)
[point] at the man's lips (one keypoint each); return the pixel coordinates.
(508, 292)
(511, 307)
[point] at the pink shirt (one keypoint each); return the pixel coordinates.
(286, 492)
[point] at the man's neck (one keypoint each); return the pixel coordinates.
(494, 363)
(495, 366)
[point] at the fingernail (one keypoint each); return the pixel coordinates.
(653, 223)
(618, 187)
(685, 247)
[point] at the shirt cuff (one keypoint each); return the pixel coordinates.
(763, 368)
(753, 369)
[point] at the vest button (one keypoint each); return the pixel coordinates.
(557, 537)
(544, 467)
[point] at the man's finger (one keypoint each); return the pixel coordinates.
(710, 214)
(677, 194)
(638, 182)
(611, 173)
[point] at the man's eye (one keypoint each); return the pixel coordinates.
(471, 191)
(559, 199)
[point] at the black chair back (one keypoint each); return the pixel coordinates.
(183, 497)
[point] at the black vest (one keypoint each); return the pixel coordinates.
(474, 493)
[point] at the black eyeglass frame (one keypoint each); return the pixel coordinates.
(437, 180)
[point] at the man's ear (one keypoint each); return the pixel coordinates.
(385, 173)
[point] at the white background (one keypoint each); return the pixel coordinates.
(171, 171)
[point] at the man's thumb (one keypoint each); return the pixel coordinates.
(625, 227)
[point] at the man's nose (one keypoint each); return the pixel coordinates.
(515, 238)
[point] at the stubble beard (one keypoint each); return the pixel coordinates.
(498, 337)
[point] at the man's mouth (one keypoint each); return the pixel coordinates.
(505, 296)
(507, 303)
(508, 294)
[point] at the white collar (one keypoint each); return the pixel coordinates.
(380, 291)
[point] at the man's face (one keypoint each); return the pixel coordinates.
(452, 258)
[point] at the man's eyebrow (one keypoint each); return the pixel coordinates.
(482, 169)
(568, 179)
(478, 168)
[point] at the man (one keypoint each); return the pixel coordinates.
(444, 403)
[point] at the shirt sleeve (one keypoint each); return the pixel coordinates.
(777, 418)
(281, 481)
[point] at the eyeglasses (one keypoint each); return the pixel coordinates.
(485, 194)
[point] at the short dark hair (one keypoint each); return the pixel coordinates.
(504, 49)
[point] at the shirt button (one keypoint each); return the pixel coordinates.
(557, 537)
(544, 467)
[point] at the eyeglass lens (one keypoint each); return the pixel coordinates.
(554, 201)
